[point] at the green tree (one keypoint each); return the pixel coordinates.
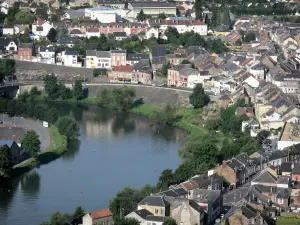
(250, 36)
(215, 19)
(206, 20)
(24, 17)
(51, 87)
(161, 16)
(78, 91)
(199, 98)
(227, 222)
(165, 67)
(226, 18)
(172, 34)
(34, 92)
(5, 161)
(169, 221)
(31, 143)
(166, 179)
(185, 61)
(51, 36)
(141, 16)
(40, 112)
(63, 32)
(79, 212)
(68, 126)
(198, 9)
(126, 221)
(125, 202)
(167, 115)
(52, 115)
(6, 21)
(148, 190)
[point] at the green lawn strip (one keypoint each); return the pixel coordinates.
(51, 153)
(288, 221)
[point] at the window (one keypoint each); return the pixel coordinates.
(280, 201)
(148, 223)
(162, 212)
(156, 211)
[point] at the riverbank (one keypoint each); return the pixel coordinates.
(57, 147)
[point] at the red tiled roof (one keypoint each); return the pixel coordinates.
(92, 29)
(176, 22)
(39, 21)
(100, 214)
(248, 111)
(245, 18)
(123, 68)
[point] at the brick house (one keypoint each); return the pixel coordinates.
(118, 57)
(296, 172)
(26, 51)
(121, 73)
(98, 217)
(178, 75)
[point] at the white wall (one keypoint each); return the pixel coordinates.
(283, 144)
(106, 17)
(46, 28)
(87, 220)
(8, 31)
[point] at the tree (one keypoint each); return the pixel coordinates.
(198, 9)
(226, 18)
(227, 222)
(52, 115)
(250, 36)
(199, 98)
(6, 21)
(78, 91)
(68, 126)
(215, 19)
(5, 161)
(164, 69)
(24, 17)
(172, 34)
(166, 179)
(185, 61)
(167, 115)
(63, 32)
(161, 16)
(207, 21)
(141, 16)
(26, 31)
(169, 221)
(127, 221)
(79, 212)
(125, 202)
(31, 143)
(51, 87)
(34, 92)
(51, 36)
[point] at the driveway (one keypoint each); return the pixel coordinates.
(27, 124)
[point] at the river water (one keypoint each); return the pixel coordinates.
(114, 150)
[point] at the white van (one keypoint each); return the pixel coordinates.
(45, 124)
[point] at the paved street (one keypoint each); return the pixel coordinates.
(29, 125)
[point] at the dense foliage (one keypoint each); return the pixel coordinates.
(68, 126)
(7, 69)
(169, 221)
(199, 98)
(118, 98)
(56, 90)
(63, 219)
(167, 115)
(5, 161)
(31, 143)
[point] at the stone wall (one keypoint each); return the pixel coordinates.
(34, 70)
(157, 96)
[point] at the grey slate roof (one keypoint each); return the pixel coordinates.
(136, 56)
(75, 31)
(154, 200)
(201, 194)
(296, 169)
(158, 51)
(71, 52)
(143, 213)
(74, 14)
(156, 218)
(152, 5)
(46, 49)
(4, 41)
(99, 54)
(117, 51)
(265, 177)
(286, 167)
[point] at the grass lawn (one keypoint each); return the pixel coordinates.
(288, 221)
(51, 153)
(144, 109)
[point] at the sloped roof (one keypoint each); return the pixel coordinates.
(154, 200)
(265, 177)
(100, 214)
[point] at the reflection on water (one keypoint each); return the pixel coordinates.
(30, 184)
(114, 150)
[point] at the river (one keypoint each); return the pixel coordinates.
(114, 150)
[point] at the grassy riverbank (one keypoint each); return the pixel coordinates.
(57, 147)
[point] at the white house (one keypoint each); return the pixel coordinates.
(139, 215)
(8, 30)
(98, 59)
(199, 78)
(9, 44)
(20, 28)
(70, 58)
(257, 70)
(47, 55)
(105, 14)
(4, 7)
(67, 41)
(92, 32)
(252, 124)
(150, 8)
(41, 28)
(181, 25)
